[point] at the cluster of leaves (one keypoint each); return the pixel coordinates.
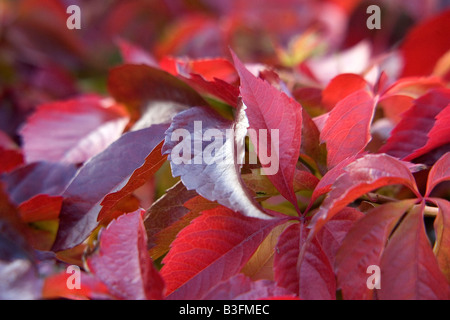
(363, 177)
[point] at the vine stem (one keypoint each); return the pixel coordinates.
(431, 212)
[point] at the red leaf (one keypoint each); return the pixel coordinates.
(325, 184)
(311, 278)
(333, 233)
(211, 76)
(416, 122)
(214, 174)
(347, 129)
(442, 230)
(213, 248)
(165, 212)
(311, 145)
(409, 270)
(431, 35)
(400, 96)
(72, 131)
(270, 109)
(123, 263)
(440, 172)
(209, 69)
(438, 136)
(40, 208)
(10, 160)
(363, 247)
(137, 85)
(241, 287)
(340, 87)
(363, 175)
(140, 176)
(103, 174)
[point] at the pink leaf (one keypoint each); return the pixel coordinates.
(132, 54)
(311, 277)
(333, 233)
(123, 263)
(416, 122)
(72, 131)
(241, 287)
(442, 230)
(104, 174)
(440, 172)
(409, 270)
(370, 234)
(438, 136)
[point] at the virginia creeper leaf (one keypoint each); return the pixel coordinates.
(260, 266)
(325, 184)
(417, 122)
(333, 233)
(311, 278)
(241, 287)
(105, 173)
(213, 248)
(137, 85)
(211, 76)
(140, 176)
(363, 247)
(438, 136)
(442, 230)
(311, 145)
(18, 271)
(430, 35)
(440, 172)
(132, 54)
(270, 109)
(72, 131)
(40, 208)
(347, 129)
(123, 263)
(340, 87)
(38, 178)
(409, 270)
(363, 175)
(10, 159)
(214, 174)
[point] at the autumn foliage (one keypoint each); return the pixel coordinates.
(360, 120)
